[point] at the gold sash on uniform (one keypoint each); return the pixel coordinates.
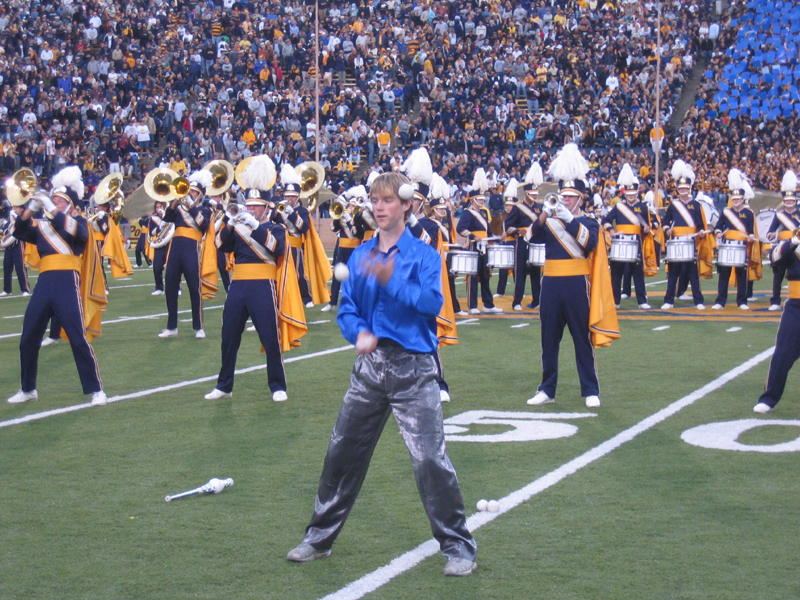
(209, 278)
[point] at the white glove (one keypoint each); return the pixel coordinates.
(33, 205)
(47, 203)
(367, 206)
(161, 212)
(250, 221)
(564, 214)
(347, 217)
(288, 210)
(549, 210)
(412, 220)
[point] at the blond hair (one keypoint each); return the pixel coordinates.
(391, 182)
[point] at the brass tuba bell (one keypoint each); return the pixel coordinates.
(158, 184)
(312, 176)
(222, 176)
(338, 208)
(21, 186)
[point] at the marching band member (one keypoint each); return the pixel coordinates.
(438, 196)
(347, 235)
(576, 284)
(143, 248)
(419, 170)
(684, 217)
(297, 221)
(108, 236)
(736, 223)
(259, 285)
(517, 223)
(159, 235)
(474, 226)
(389, 314)
(99, 224)
(785, 222)
(631, 218)
(509, 239)
(218, 205)
(787, 344)
(184, 257)
(61, 240)
(13, 254)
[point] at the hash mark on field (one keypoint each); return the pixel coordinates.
(655, 283)
(519, 325)
(468, 322)
(383, 575)
(662, 328)
(318, 322)
(164, 388)
(14, 317)
(732, 329)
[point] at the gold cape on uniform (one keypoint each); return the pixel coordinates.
(318, 267)
(114, 251)
(603, 323)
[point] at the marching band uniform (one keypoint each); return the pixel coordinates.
(474, 225)
(784, 224)
(787, 343)
(736, 223)
(222, 257)
(574, 279)
(142, 247)
(14, 258)
(521, 217)
(252, 294)
(508, 240)
(683, 217)
(99, 224)
(630, 217)
(297, 220)
(444, 220)
(160, 246)
(60, 241)
(184, 256)
(347, 238)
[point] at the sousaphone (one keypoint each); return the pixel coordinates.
(222, 176)
(312, 176)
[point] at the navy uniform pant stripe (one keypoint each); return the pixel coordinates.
(787, 351)
(299, 258)
(565, 303)
(57, 295)
(183, 259)
(14, 261)
(256, 299)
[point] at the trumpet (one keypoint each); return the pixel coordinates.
(552, 201)
(280, 208)
(234, 211)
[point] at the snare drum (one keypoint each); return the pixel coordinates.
(462, 262)
(764, 220)
(681, 249)
(536, 255)
(624, 248)
(500, 257)
(732, 253)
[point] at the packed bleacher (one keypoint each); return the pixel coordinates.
(745, 115)
(128, 87)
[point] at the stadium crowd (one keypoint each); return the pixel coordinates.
(104, 85)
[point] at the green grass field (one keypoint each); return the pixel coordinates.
(83, 512)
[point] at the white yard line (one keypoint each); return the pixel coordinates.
(372, 581)
(662, 328)
(732, 329)
(655, 283)
(126, 319)
(517, 326)
(165, 388)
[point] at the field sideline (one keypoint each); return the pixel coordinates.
(615, 505)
